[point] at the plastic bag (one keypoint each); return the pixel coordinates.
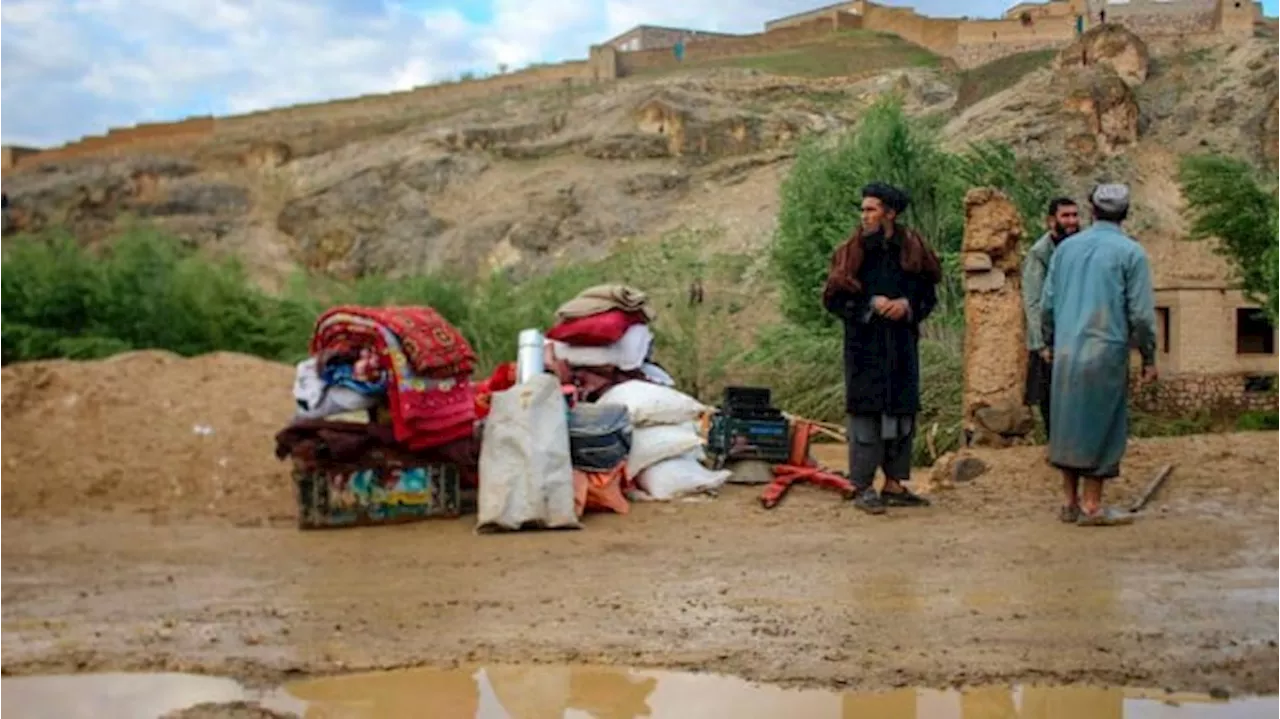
(600, 491)
(651, 404)
(526, 477)
(316, 400)
(680, 476)
(650, 445)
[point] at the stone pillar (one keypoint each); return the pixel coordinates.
(995, 349)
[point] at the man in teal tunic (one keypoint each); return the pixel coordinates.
(1097, 301)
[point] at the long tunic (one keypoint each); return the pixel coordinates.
(1034, 268)
(881, 356)
(1097, 300)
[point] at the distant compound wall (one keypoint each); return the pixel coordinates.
(1026, 26)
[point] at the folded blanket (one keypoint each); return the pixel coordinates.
(602, 298)
(433, 347)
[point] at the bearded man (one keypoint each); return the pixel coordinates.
(882, 285)
(1063, 221)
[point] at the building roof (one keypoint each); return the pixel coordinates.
(637, 28)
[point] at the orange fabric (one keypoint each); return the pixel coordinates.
(600, 491)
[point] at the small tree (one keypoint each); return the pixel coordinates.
(1226, 199)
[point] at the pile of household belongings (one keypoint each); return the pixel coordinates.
(627, 433)
(407, 372)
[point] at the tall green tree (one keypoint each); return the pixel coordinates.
(1228, 201)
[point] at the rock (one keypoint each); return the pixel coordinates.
(1270, 133)
(267, 155)
(1106, 109)
(1005, 419)
(956, 467)
(1109, 45)
(227, 710)
(967, 469)
(990, 281)
(976, 261)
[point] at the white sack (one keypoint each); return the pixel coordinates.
(627, 354)
(657, 375)
(650, 445)
(680, 476)
(526, 476)
(314, 399)
(651, 404)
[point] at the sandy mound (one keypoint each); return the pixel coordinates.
(146, 430)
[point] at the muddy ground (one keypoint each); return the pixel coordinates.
(984, 587)
(147, 525)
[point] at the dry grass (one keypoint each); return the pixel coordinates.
(854, 52)
(976, 84)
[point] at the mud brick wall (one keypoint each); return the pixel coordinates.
(715, 48)
(995, 350)
(968, 56)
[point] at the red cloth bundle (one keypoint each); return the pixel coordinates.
(503, 377)
(433, 347)
(598, 330)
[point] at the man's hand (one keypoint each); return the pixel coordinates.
(1046, 354)
(897, 309)
(879, 303)
(1149, 374)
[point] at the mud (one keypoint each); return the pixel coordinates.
(148, 527)
(530, 692)
(983, 588)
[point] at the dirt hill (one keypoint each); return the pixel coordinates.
(533, 179)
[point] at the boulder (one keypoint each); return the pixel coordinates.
(1110, 45)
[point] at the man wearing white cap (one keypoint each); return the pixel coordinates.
(1097, 300)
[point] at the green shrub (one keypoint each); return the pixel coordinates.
(821, 205)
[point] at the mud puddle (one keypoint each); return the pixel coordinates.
(543, 692)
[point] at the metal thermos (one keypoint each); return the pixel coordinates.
(529, 358)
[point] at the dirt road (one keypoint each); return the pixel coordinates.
(148, 526)
(984, 587)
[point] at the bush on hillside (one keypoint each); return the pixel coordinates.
(1226, 199)
(821, 198)
(821, 206)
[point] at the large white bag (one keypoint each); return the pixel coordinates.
(526, 475)
(680, 476)
(650, 445)
(650, 404)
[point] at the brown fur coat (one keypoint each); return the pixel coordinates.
(917, 258)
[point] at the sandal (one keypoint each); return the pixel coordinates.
(869, 501)
(904, 498)
(1105, 517)
(1069, 514)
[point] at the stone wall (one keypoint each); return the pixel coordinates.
(1181, 395)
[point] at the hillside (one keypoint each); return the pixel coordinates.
(529, 180)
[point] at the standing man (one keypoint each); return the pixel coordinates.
(882, 285)
(1063, 221)
(1097, 300)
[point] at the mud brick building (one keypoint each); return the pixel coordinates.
(656, 37)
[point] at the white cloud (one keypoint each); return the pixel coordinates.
(76, 67)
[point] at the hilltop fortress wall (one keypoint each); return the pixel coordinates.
(1028, 26)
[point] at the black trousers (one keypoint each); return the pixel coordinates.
(1039, 389)
(869, 450)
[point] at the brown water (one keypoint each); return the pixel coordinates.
(562, 692)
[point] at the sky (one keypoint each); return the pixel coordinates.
(69, 68)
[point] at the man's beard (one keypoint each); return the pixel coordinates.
(1062, 232)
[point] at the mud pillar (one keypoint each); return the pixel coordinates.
(995, 350)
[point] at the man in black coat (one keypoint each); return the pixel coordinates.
(882, 284)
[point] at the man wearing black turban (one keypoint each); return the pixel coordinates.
(882, 285)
